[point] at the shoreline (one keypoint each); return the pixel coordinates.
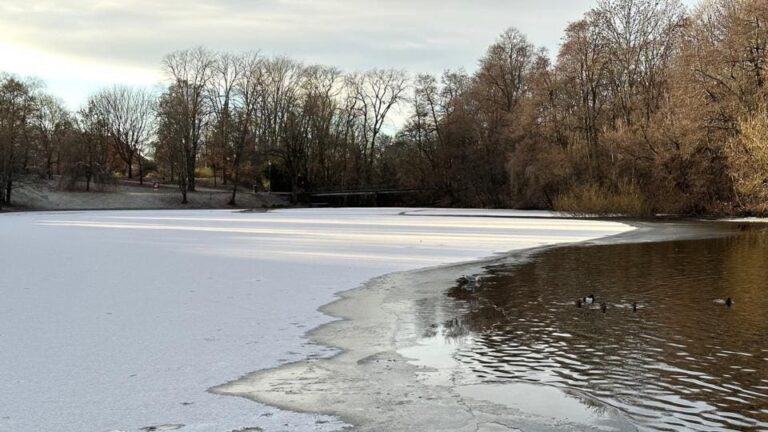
(373, 385)
(32, 194)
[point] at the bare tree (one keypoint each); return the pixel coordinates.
(129, 115)
(641, 36)
(17, 106)
(504, 68)
(583, 65)
(375, 93)
(172, 131)
(250, 93)
(86, 155)
(190, 73)
(51, 121)
(322, 88)
(225, 74)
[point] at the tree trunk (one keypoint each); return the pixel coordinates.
(235, 181)
(25, 161)
(233, 200)
(190, 174)
(294, 190)
(8, 188)
(130, 166)
(141, 171)
(183, 186)
(48, 165)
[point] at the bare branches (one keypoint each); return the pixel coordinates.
(374, 93)
(129, 115)
(190, 73)
(640, 101)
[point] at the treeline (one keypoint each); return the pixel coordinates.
(38, 135)
(237, 114)
(647, 108)
(238, 120)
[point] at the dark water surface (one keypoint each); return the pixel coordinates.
(681, 362)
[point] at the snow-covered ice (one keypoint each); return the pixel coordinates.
(122, 320)
(748, 220)
(489, 213)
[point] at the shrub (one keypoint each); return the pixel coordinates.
(592, 199)
(747, 159)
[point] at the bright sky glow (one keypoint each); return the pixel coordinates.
(78, 46)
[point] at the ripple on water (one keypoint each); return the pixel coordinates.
(680, 362)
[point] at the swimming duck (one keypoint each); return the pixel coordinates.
(728, 302)
(588, 299)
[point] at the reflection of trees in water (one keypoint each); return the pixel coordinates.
(455, 329)
(679, 353)
(452, 331)
(598, 408)
(484, 314)
(430, 315)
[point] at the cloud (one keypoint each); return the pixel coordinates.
(94, 39)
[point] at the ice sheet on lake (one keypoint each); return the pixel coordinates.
(122, 320)
(748, 220)
(489, 213)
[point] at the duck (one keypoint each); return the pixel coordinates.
(604, 307)
(728, 302)
(634, 306)
(578, 303)
(588, 299)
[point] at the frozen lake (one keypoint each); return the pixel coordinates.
(123, 320)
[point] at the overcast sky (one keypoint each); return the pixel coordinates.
(77, 46)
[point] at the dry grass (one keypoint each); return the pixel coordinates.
(592, 199)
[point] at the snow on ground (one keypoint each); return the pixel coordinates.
(45, 195)
(489, 213)
(123, 320)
